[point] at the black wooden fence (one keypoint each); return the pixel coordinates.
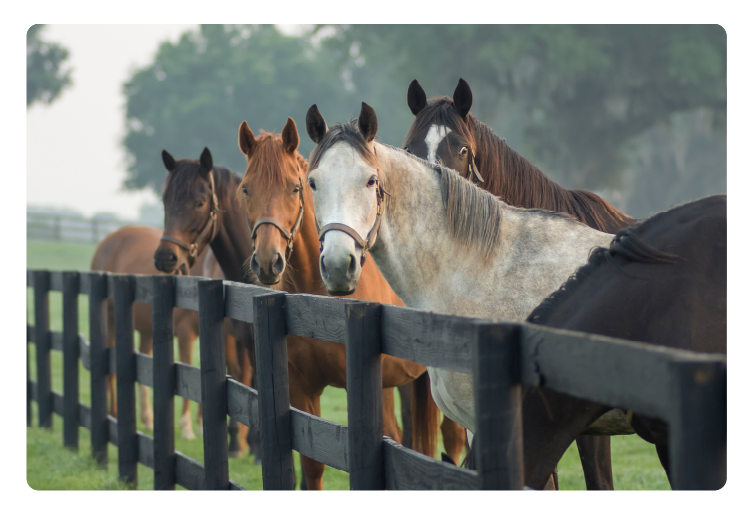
(686, 390)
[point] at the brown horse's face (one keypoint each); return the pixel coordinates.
(187, 207)
(271, 189)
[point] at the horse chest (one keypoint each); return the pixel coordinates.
(454, 395)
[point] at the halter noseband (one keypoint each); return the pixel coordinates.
(207, 234)
(370, 240)
(288, 235)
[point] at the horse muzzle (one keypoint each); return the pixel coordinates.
(340, 266)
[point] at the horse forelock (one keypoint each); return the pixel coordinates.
(342, 132)
(440, 111)
(270, 164)
(181, 183)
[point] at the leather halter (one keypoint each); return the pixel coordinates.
(370, 240)
(288, 235)
(207, 234)
(473, 174)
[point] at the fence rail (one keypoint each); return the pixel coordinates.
(657, 381)
(71, 228)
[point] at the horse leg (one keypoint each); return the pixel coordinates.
(454, 437)
(308, 400)
(186, 337)
(238, 433)
(594, 452)
(405, 393)
(390, 426)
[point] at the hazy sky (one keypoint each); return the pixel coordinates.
(73, 146)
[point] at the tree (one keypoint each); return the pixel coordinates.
(198, 91)
(46, 76)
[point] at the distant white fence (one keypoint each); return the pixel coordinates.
(69, 227)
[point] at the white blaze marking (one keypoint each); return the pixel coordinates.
(433, 139)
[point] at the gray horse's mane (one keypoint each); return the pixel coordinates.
(473, 215)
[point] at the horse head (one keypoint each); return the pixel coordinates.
(274, 197)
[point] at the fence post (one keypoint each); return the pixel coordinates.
(272, 380)
(127, 439)
(498, 430)
(99, 363)
(698, 426)
(70, 359)
(29, 282)
(164, 382)
(43, 341)
(364, 396)
(213, 383)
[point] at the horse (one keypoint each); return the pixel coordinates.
(445, 131)
(280, 220)
(129, 251)
(442, 243)
(638, 291)
(192, 200)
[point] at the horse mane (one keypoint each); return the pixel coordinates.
(510, 176)
(626, 246)
(264, 164)
(342, 132)
(184, 178)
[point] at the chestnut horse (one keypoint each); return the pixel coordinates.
(445, 132)
(280, 209)
(129, 250)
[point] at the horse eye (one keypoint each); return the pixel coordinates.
(200, 204)
(463, 151)
(245, 190)
(312, 184)
(371, 182)
(297, 189)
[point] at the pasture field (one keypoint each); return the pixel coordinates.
(51, 466)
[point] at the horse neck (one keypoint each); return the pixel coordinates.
(303, 274)
(232, 245)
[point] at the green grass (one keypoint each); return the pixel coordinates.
(51, 466)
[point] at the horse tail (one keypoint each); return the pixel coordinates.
(426, 417)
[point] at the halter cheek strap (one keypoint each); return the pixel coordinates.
(207, 234)
(473, 174)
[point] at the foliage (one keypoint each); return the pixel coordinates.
(46, 75)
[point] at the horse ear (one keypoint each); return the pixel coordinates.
(367, 123)
(462, 98)
(168, 160)
(416, 98)
(290, 138)
(246, 140)
(207, 163)
(315, 124)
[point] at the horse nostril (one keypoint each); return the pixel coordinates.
(254, 266)
(324, 272)
(172, 258)
(277, 264)
(352, 266)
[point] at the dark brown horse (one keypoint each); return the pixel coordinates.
(445, 132)
(662, 281)
(279, 208)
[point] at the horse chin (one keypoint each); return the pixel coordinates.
(182, 270)
(269, 281)
(340, 293)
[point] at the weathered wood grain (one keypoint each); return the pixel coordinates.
(57, 402)
(43, 346)
(84, 415)
(84, 351)
(98, 365)
(441, 341)
(70, 359)
(145, 369)
(112, 429)
(320, 439)
(84, 283)
(189, 472)
(164, 380)
(242, 404)
(186, 292)
(56, 281)
(188, 382)
(56, 341)
(314, 316)
(127, 440)
(144, 289)
(145, 450)
(238, 300)
(410, 470)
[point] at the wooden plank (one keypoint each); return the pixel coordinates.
(29, 278)
(56, 281)
(698, 427)
(442, 341)
(624, 374)
(186, 292)
(272, 382)
(28, 387)
(242, 404)
(110, 285)
(70, 359)
(84, 285)
(319, 439)
(127, 440)
(146, 450)
(234, 486)
(213, 383)
(144, 289)
(164, 382)
(33, 385)
(57, 402)
(56, 341)
(84, 351)
(84, 415)
(30, 333)
(188, 382)
(43, 342)
(410, 470)
(112, 358)
(145, 369)
(238, 300)
(98, 366)
(498, 407)
(112, 428)
(189, 473)
(317, 317)
(364, 396)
